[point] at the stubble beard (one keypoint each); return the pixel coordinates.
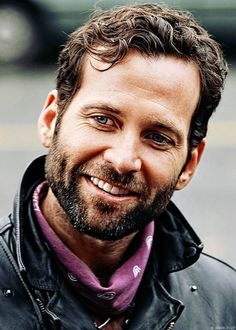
(93, 217)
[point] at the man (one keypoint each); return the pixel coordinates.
(93, 240)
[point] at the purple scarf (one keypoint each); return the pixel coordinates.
(124, 282)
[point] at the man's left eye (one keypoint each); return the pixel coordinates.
(104, 120)
(160, 139)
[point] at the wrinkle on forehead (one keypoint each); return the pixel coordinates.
(140, 79)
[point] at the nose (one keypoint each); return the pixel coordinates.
(123, 155)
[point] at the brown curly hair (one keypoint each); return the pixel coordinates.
(152, 30)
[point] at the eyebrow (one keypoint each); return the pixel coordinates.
(101, 106)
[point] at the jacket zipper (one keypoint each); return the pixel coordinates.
(47, 313)
(41, 306)
(171, 326)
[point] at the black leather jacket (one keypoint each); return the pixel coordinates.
(182, 288)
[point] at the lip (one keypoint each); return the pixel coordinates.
(96, 191)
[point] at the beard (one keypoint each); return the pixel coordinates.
(92, 216)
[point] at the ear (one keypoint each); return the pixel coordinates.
(190, 166)
(47, 119)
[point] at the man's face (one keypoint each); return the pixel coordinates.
(122, 144)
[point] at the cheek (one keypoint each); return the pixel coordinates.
(75, 136)
(80, 145)
(163, 169)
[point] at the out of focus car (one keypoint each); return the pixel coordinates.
(31, 28)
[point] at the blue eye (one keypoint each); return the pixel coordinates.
(160, 139)
(102, 119)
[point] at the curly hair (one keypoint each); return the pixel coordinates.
(152, 30)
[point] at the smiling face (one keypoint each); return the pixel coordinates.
(122, 144)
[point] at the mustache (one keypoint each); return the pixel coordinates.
(107, 173)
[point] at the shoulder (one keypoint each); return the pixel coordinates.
(210, 261)
(214, 271)
(6, 228)
(208, 290)
(217, 280)
(7, 236)
(209, 278)
(213, 280)
(212, 274)
(5, 224)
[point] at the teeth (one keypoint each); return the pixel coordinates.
(115, 190)
(95, 181)
(101, 184)
(108, 187)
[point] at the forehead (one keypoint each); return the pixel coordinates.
(156, 75)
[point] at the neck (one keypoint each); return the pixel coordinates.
(102, 257)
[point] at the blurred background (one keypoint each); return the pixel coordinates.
(31, 32)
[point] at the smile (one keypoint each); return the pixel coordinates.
(107, 187)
